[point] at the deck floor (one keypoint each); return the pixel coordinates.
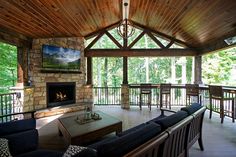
(218, 139)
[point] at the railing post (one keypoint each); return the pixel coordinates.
(125, 96)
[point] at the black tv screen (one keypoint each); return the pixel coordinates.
(55, 57)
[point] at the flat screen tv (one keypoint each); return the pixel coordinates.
(60, 58)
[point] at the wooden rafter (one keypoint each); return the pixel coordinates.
(155, 39)
(136, 40)
(113, 39)
(96, 39)
(93, 34)
(163, 35)
(170, 44)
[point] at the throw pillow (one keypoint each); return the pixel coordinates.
(4, 149)
(74, 151)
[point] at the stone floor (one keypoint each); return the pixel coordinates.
(218, 139)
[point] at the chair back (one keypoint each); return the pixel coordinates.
(165, 88)
(216, 92)
(145, 88)
(192, 89)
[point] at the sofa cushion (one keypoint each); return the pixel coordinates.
(4, 148)
(23, 141)
(128, 142)
(74, 151)
(96, 145)
(131, 129)
(42, 153)
(17, 126)
(171, 120)
(191, 108)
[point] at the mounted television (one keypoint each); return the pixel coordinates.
(60, 58)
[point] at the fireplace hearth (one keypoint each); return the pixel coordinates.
(60, 93)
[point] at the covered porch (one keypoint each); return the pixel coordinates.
(187, 28)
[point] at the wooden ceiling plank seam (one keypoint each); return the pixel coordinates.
(167, 16)
(31, 11)
(65, 16)
(214, 19)
(16, 27)
(16, 34)
(48, 7)
(152, 12)
(159, 12)
(146, 7)
(18, 20)
(69, 18)
(178, 16)
(139, 53)
(80, 18)
(155, 40)
(182, 6)
(113, 39)
(93, 19)
(95, 40)
(192, 19)
(136, 39)
(52, 16)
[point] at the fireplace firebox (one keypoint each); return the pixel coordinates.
(60, 93)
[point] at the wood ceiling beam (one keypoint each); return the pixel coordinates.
(91, 35)
(136, 40)
(164, 35)
(217, 45)
(113, 39)
(95, 40)
(139, 52)
(14, 38)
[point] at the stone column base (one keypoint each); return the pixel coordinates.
(125, 96)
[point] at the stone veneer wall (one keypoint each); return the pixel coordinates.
(39, 79)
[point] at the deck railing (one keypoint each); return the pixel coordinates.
(107, 95)
(112, 95)
(9, 104)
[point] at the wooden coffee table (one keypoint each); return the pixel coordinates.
(77, 134)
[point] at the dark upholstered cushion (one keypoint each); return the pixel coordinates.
(191, 108)
(128, 142)
(42, 153)
(17, 126)
(102, 142)
(23, 141)
(79, 151)
(131, 130)
(171, 120)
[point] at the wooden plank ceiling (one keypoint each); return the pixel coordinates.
(196, 22)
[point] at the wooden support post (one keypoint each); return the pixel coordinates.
(89, 71)
(125, 70)
(198, 69)
(22, 66)
(20, 72)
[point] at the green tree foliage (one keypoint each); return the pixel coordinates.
(8, 66)
(219, 68)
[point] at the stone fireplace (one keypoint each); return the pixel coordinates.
(37, 97)
(60, 93)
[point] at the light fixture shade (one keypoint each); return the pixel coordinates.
(125, 29)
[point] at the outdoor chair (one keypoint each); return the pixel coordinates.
(221, 104)
(192, 91)
(165, 95)
(145, 95)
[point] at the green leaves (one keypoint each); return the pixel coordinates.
(8, 66)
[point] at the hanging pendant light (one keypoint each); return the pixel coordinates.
(125, 28)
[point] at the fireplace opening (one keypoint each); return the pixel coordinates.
(60, 93)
